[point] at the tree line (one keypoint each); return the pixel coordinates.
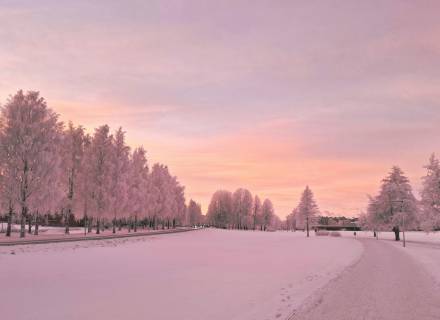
(394, 208)
(48, 167)
(240, 210)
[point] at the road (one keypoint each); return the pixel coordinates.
(385, 284)
(43, 239)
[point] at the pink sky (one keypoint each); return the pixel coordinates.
(270, 96)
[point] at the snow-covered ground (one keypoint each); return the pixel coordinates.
(385, 284)
(423, 247)
(205, 274)
(411, 236)
(41, 229)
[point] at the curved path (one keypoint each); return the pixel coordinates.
(385, 284)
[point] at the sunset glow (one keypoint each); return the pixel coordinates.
(242, 93)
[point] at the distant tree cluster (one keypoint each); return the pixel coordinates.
(49, 168)
(240, 210)
(396, 206)
(194, 214)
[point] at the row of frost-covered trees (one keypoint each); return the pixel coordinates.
(395, 206)
(240, 210)
(49, 167)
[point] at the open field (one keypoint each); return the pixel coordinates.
(208, 274)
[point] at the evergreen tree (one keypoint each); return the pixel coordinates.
(395, 205)
(307, 209)
(430, 196)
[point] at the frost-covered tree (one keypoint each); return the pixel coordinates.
(307, 209)
(242, 203)
(290, 221)
(137, 186)
(267, 213)
(29, 132)
(395, 205)
(220, 209)
(256, 212)
(48, 170)
(49, 198)
(167, 198)
(119, 175)
(160, 194)
(194, 213)
(178, 203)
(72, 152)
(8, 187)
(100, 158)
(84, 191)
(430, 196)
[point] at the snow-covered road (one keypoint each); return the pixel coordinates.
(386, 284)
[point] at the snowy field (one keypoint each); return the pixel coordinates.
(205, 274)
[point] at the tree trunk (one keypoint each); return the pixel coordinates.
(396, 231)
(9, 227)
(23, 222)
(66, 221)
(36, 224)
(98, 229)
(89, 225)
(114, 225)
(135, 223)
(30, 224)
(307, 227)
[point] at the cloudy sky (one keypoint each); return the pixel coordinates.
(267, 95)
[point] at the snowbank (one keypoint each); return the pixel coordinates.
(204, 274)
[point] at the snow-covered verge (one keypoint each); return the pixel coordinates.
(41, 229)
(423, 247)
(205, 274)
(411, 236)
(427, 255)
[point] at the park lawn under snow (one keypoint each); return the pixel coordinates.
(204, 274)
